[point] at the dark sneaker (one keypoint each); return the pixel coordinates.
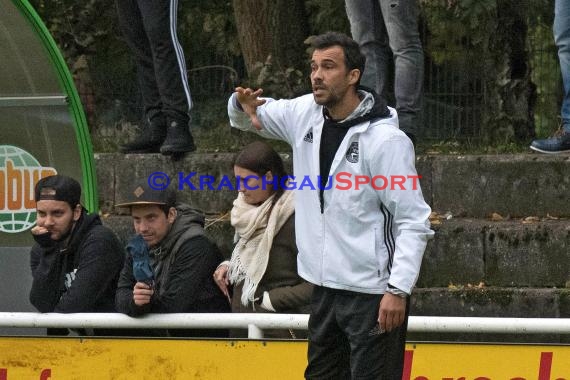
(558, 143)
(150, 138)
(178, 140)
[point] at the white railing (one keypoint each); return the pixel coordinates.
(256, 323)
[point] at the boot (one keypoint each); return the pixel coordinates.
(150, 139)
(178, 140)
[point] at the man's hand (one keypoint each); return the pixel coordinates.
(249, 100)
(142, 293)
(42, 236)
(392, 312)
(37, 230)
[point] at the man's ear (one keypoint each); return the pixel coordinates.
(77, 212)
(354, 75)
(172, 215)
(269, 176)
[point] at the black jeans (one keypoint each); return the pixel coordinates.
(149, 28)
(344, 340)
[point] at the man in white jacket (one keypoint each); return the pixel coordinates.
(361, 220)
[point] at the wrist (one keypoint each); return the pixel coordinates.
(395, 291)
(224, 263)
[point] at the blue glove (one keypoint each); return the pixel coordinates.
(142, 271)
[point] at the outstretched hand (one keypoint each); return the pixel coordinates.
(249, 100)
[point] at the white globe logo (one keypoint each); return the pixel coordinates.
(19, 173)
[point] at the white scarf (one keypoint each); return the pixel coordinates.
(256, 226)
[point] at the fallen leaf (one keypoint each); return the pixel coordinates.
(531, 219)
(495, 217)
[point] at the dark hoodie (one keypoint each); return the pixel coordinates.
(183, 265)
(334, 132)
(79, 273)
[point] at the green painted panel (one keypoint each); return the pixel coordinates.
(40, 115)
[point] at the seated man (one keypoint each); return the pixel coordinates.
(76, 261)
(173, 262)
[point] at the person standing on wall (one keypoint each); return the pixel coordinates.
(149, 28)
(387, 30)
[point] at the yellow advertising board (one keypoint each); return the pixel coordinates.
(93, 358)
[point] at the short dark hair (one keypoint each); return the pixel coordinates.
(170, 201)
(353, 57)
(259, 157)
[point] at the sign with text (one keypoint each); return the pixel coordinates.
(98, 358)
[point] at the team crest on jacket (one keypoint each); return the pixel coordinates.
(309, 137)
(352, 152)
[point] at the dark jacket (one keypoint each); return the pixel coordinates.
(80, 273)
(288, 292)
(183, 264)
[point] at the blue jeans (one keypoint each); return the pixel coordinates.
(561, 30)
(386, 30)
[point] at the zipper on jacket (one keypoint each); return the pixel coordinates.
(323, 250)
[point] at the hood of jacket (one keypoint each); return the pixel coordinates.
(189, 223)
(371, 107)
(84, 223)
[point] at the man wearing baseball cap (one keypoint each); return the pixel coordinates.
(76, 261)
(169, 261)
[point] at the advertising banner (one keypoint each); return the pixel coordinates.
(74, 358)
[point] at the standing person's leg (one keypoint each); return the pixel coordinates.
(159, 19)
(329, 352)
(369, 347)
(154, 130)
(396, 348)
(561, 30)
(560, 142)
(401, 21)
(368, 30)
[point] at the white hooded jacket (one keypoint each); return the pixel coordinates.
(365, 238)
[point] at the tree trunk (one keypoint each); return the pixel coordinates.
(271, 27)
(511, 95)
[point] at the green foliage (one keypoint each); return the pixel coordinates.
(466, 42)
(327, 15)
(278, 83)
(543, 60)
(457, 27)
(208, 32)
(77, 26)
